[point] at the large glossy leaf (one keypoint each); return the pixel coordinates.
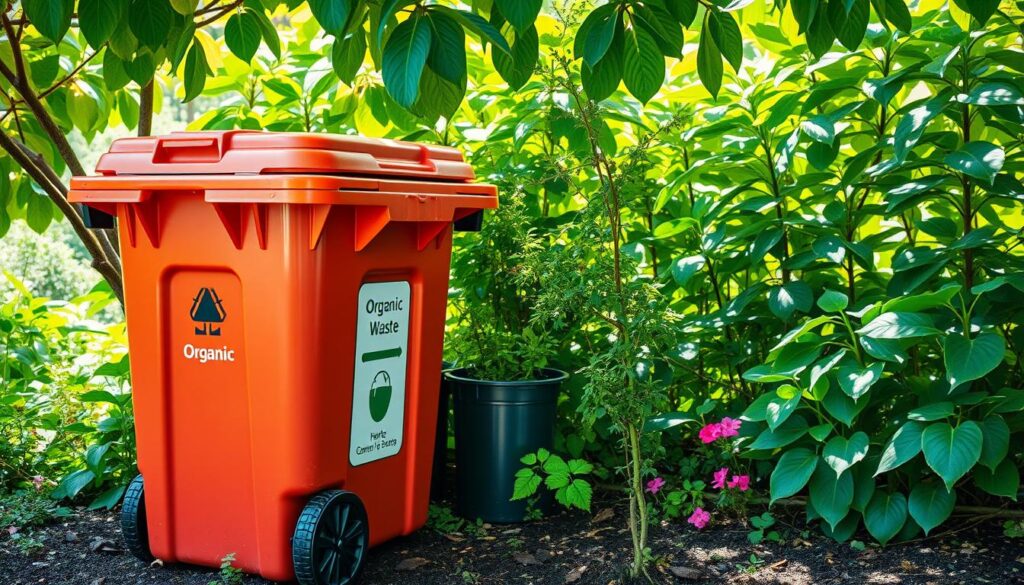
(911, 125)
(995, 441)
(792, 472)
(517, 68)
(787, 299)
(899, 325)
(856, 380)
(709, 61)
(644, 65)
(831, 495)
(841, 453)
(971, 359)
(97, 19)
(951, 451)
(930, 504)
(242, 34)
(904, 445)
(978, 159)
(331, 14)
(519, 13)
(52, 18)
(1004, 481)
(405, 55)
(885, 515)
(150, 21)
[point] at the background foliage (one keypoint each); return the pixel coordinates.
(817, 226)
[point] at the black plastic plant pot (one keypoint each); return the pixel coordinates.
(439, 474)
(496, 424)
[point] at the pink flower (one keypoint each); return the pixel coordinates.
(37, 481)
(710, 432)
(730, 427)
(699, 518)
(654, 486)
(720, 478)
(740, 481)
(12, 530)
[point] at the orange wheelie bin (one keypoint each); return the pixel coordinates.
(285, 297)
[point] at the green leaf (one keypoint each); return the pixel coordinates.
(1003, 482)
(709, 61)
(150, 21)
(849, 20)
(855, 381)
(885, 515)
(897, 325)
(932, 412)
(995, 93)
(685, 268)
(897, 13)
(819, 128)
(97, 19)
(663, 422)
(831, 495)
(108, 499)
(644, 70)
(347, 55)
(930, 504)
(242, 34)
(195, 71)
(52, 18)
(952, 452)
(995, 441)
(978, 159)
(791, 430)
(601, 80)
(114, 75)
(448, 49)
(841, 453)
(785, 300)
(474, 22)
(971, 359)
(598, 30)
(841, 406)
(405, 55)
(777, 411)
(332, 15)
(982, 10)
(185, 7)
(39, 213)
(792, 472)
(904, 446)
(521, 14)
(517, 69)
(832, 301)
(70, 486)
(728, 39)
(911, 126)
(683, 11)
(525, 485)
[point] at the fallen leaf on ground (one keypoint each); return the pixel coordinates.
(575, 574)
(687, 573)
(778, 564)
(525, 558)
(411, 564)
(100, 544)
(602, 515)
(156, 563)
(454, 538)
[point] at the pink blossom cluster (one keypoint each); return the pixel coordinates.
(699, 518)
(654, 486)
(722, 480)
(727, 427)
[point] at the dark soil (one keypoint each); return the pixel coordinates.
(570, 548)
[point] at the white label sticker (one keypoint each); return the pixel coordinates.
(378, 382)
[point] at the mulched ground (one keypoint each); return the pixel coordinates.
(570, 548)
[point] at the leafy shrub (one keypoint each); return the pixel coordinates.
(65, 409)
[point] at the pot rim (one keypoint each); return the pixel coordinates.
(462, 375)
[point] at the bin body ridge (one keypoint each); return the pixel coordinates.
(285, 338)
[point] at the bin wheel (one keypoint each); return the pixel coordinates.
(133, 521)
(331, 539)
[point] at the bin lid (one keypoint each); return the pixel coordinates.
(252, 152)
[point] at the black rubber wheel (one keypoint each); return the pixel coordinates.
(331, 539)
(133, 521)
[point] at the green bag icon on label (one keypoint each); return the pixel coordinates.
(380, 396)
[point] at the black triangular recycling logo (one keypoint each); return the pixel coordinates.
(207, 310)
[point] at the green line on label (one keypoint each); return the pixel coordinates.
(383, 354)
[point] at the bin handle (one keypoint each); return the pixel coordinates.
(198, 147)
